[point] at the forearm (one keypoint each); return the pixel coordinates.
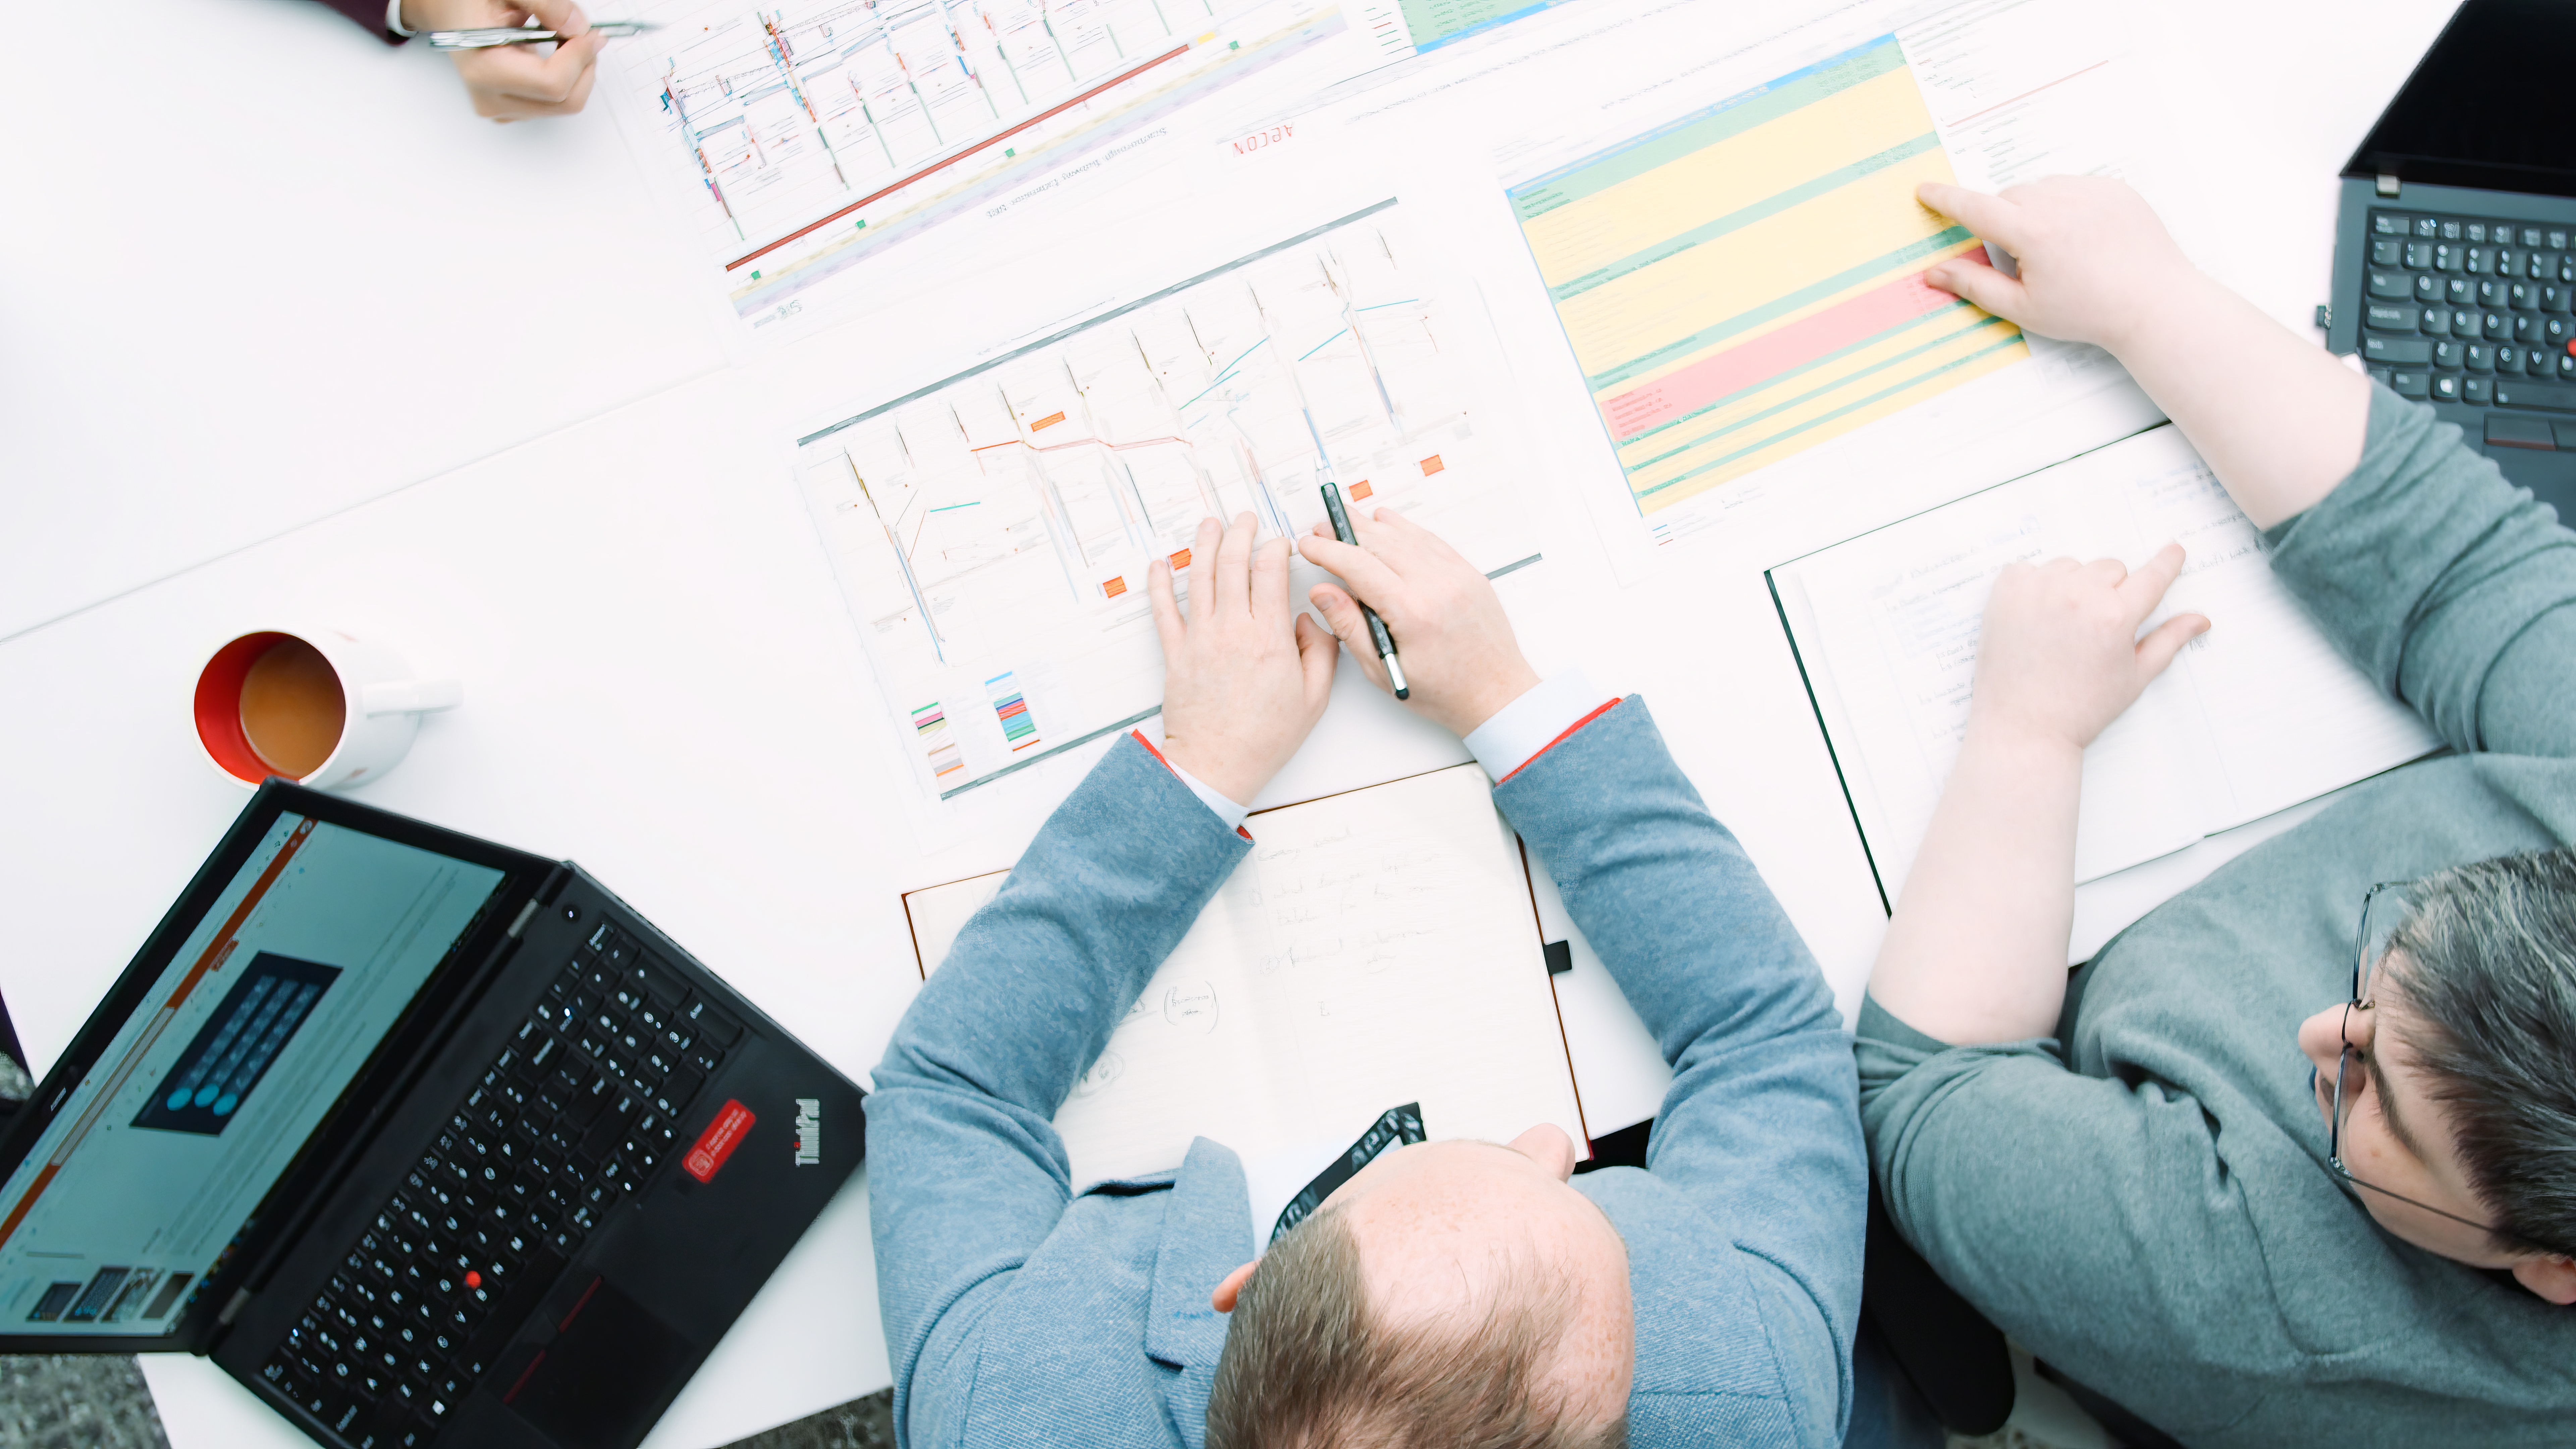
(1040, 975)
(1761, 1126)
(2281, 422)
(1977, 951)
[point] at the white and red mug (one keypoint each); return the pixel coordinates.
(318, 706)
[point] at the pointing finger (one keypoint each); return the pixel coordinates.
(1991, 217)
(1167, 610)
(2161, 645)
(2143, 590)
(1365, 572)
(1203, 559)
(1270, 583)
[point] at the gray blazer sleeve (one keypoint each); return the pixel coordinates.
(966, 1175)
(2447, 585)
(1760, 1128)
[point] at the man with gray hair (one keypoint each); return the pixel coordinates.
(1447, 1293)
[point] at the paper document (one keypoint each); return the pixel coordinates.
(1373, 949)
(798, 144)
(2255, 716)
(1745, 282)
(992, 531)
(1396, 30)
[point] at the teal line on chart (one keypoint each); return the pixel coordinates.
(1228, 370)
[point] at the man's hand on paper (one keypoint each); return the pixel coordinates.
(2095, 262)
(1247, 675)
(514, 82)
(2060, 657)
(1450, 630)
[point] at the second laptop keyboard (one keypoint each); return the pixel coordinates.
(577, 1113)
(2471, 310)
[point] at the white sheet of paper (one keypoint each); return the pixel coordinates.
(1373, 949)
(2257, 715)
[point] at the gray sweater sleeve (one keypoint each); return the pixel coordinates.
(2448, 586)
(2093, 1216)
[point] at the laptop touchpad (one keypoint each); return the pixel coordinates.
(600, 1382)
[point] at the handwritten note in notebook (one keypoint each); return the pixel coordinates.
(2257, 715)
(1374, 948)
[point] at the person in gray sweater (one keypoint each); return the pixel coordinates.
(2272, 1167)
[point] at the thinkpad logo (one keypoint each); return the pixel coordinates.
(809, 1132)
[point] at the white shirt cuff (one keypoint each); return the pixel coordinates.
(1228, 814)
(393, 19)
(1520, 730)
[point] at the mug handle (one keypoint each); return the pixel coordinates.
(410, 696)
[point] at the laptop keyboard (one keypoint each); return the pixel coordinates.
(2472, 310)
(576, 1114)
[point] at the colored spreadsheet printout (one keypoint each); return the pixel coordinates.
(992, 532)
(799, 142)
(1393, 30)
(1741, 286)
(1747, 282)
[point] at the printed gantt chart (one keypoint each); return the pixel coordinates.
(1747, 282)
(992, 532)
(805, 138)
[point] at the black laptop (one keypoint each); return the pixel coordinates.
(2455, 249)
(426, 1140)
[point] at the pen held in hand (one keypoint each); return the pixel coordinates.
(489, 36)
(1384, 641)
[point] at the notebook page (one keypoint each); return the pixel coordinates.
(2287, 717)
(1372, 949)
(1898, 615)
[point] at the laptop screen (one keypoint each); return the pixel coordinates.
(2487, 108)
(167, 1145)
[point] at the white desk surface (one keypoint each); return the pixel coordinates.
(305, 278)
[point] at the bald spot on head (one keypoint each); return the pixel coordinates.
(1447, 1230)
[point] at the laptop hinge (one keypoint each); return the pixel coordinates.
(2387, 184)
(233, 1307)
(521, 923)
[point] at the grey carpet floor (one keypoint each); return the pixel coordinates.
(85, 1402)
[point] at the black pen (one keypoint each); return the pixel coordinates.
(1377, 627)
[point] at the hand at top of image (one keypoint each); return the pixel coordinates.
(2095, 261)
(1247, 675)
(2060, 657)
(516, 82)
(1450, 631)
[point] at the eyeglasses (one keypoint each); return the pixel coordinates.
(2384, 907)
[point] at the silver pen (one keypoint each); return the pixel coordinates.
(491, 36)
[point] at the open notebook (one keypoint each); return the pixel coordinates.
(1373, 949)
(2256, 715)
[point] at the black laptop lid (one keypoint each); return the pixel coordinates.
(244, 1049)
(2487, 107)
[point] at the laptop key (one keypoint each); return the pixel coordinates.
(2410, 384)
(2536, 395)
(713, 1024)
(682, 1085)
(2392, 285)
(2504, 430)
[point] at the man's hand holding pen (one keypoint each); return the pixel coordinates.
(1457, 646)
